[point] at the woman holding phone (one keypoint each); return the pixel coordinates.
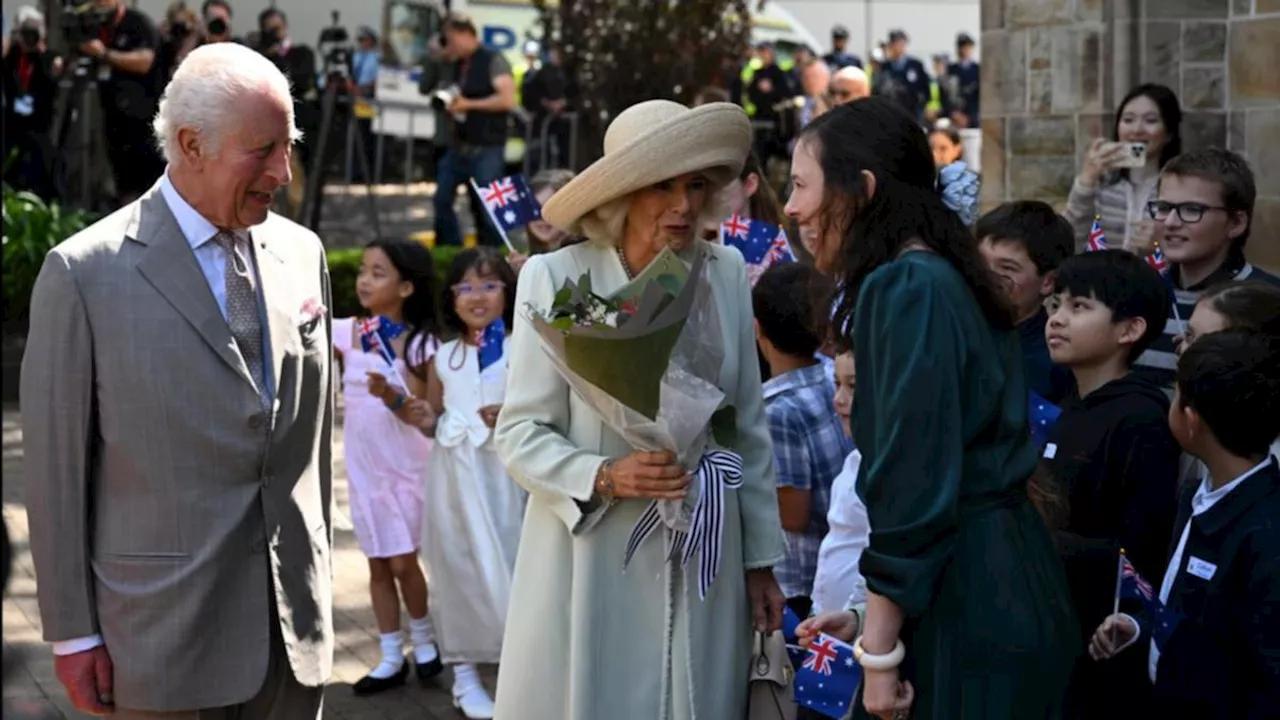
(1119, 176)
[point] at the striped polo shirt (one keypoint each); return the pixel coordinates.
(1159, 363)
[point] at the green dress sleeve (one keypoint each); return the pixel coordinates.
(910, 361)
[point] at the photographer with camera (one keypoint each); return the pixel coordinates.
(180, 33)
(30, 87)
(217, 21)
(482, 94)
(298, 63)
(125, 54)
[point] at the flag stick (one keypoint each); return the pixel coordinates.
(387, 353)
(496, 225)
(1115, 608)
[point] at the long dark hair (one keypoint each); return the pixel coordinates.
(412, 261)
(764, 204)
(485, 261)
(878, 136)
(1170, 115)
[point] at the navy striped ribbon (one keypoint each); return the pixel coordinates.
(718, 470)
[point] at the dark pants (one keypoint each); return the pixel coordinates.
(28, 163)
(458, 166)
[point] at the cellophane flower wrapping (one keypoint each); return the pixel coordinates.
(651, 376)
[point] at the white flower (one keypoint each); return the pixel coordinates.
(611, 319)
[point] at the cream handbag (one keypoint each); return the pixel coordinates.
(769, 695)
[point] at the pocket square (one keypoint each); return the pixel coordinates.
(311, 310)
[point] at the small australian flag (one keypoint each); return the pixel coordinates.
(827, 676)
(510, 202)
(376, 334)
(490, 343)
(762, 245)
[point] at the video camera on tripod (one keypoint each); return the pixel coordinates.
(83, 21)
(336, 48)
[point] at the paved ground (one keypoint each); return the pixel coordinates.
(32, 688)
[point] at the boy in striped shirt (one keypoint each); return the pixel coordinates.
(1203, 214)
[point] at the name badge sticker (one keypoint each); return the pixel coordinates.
(1200, 568)
(24, 105)
(1050, 450)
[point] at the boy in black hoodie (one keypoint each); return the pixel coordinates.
(1215, 651)
(1111, 453)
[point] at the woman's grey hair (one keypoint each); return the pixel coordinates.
(207, 90)
(604, 225)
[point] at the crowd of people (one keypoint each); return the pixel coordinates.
(130, 62)
(890, 483)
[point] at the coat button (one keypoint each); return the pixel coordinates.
(259, 546)
(255, 421)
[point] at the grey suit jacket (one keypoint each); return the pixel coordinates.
(168, 511)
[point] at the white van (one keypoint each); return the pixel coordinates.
(503, 25)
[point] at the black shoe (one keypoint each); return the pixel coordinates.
(428, 670)
(369, 685)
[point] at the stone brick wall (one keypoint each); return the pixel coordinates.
(1053, 71)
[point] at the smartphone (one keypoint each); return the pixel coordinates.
(1135, 155)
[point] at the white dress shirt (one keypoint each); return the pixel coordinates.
(1205, 498)
(838, 583)
(212, 260)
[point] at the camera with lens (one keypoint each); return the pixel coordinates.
(29, 37)
(83, 21)
(217, 26)
(336, 47)
(441, 99)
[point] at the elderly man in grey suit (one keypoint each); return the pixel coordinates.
(177, 409)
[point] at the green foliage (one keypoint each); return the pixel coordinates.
(344, 266)
(31, 228)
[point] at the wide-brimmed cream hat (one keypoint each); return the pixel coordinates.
(650, 142)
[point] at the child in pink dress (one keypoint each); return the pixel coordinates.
(386, 452)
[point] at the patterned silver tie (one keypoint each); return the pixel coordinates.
(242, 309)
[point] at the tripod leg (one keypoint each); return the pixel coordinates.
(363, 158)
(309, 214)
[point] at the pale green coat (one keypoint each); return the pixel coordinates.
(584, 641)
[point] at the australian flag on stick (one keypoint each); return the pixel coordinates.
(1157, 260)
(376, 334)
(1134, 587)
(762, 245)
(827, 676)
(509, 203)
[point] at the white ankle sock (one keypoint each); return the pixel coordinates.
(422, 635)
(465, 677)
(392, 656)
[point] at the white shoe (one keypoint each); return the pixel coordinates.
(475, 703)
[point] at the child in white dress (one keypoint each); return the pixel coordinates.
(473, 507)
(386, 453)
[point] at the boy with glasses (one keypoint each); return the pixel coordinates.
(1203, 215)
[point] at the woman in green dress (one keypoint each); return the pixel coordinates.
(968, 614)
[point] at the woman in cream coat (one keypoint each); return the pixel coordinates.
(584, 640)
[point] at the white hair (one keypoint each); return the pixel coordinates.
(207, 90)
(28, 16)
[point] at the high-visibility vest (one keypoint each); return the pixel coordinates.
(749, 72)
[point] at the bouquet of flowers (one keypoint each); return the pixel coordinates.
(646, 359)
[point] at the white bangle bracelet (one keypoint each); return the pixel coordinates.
(887, 661)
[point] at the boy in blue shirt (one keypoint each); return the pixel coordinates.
(790, 303)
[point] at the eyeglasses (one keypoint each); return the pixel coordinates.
(1188, 212)
(490, 287)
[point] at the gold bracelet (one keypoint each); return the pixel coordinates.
(604, 480)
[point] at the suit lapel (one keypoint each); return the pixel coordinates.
(280, 304)
(170, 266)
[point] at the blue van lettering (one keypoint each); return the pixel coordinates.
(498, 38)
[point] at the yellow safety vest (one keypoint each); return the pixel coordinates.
(749, 72)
